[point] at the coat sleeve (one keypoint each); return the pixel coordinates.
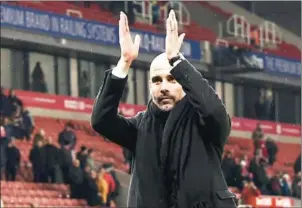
(105, 119)
(204, 98)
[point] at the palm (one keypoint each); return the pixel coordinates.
(129, 49)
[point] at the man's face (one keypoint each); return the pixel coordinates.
(165, 90)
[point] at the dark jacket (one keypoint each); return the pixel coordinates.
(206, 126)
(67, 138)
(13, 157)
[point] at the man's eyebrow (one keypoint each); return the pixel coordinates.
(156, 78)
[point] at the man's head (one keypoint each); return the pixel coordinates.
(12, 92)
(39, 143)
(11, 143)
(68, 126)
(164, 89)
(76, 163)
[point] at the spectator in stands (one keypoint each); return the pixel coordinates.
(297, 165)
(76, 176)
(110, 182)
(296, 185)
(4, 140)
(14, 100)
(52, 162)
(90, 160)
(39, 136)
(36, 157)
(84, 85)
(66, 163)
(272, 150)
(262, 151)
(28, 124)
(237, 177)
(274, 186)
(257, 136)
(103, 186)
(82, 156)
(116, 189)
(155, 11)
(38, 79)
(250, 191)
(67, 137)
(285, 187)
(264, 107)
(228, 164)
(244, 168)
(90, 189)
(5, 107)
(13, 161)
(260, 178)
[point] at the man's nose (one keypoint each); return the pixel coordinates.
(164, 87)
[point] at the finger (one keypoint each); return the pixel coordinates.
(175, 23)
(170, 13)
(137, 41)
(180, 40)
(121, 31)
(126, 22)
(121, 25)
(168, 27)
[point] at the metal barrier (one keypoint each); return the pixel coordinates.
(239, 27)
(145, 11)
(223, 42)
(269, 33)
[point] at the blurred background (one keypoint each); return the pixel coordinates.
(53, 59)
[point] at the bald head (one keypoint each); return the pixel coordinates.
(164, 89)
(160, 62)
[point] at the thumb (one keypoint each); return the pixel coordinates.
(180, 40)
(137, 41)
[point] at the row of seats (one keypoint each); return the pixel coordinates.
(25, 194)
(106, 151)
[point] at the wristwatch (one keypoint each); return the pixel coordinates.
(178, 57)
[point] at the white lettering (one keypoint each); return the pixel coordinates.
(101, 32)
(37, 21)
(55, 26)
(264, 201)
(73, 28)
(12, 16)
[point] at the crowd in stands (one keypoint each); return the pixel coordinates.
(251, 178)
(53, 162)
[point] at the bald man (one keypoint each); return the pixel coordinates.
(178, 140)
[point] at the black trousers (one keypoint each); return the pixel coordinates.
(11, 173)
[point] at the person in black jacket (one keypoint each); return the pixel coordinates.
(4, 141)
(67, 138)
(13, 161)
(76, 175)
(178, 140)
(52, 163)
(36, 157)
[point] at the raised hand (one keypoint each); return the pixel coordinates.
(173, 41)
(129, 49)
